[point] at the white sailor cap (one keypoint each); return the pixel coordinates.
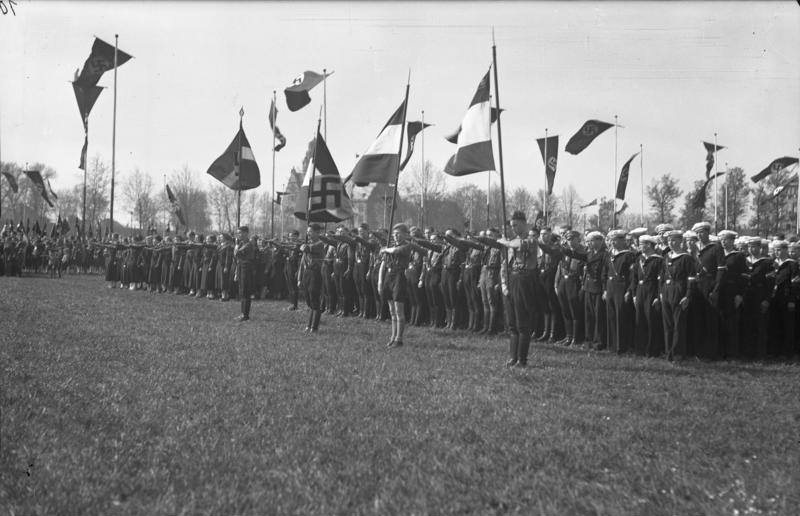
(617, 233)
(662, 228)
(648, 238)
(727, 233)
(637, 232)
(690, 234)
(702, 226)
(593, 235)
(675, 233)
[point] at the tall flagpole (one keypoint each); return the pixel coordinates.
(325, 101)
(85, 165)
(239, 173)
(797, 226)
(399, 156)
(715, 183)
(272, 193)
(614, 184)
(113, 137)
(499, 132)
(423, 177)
(545, 177)
(726, 196)
(641, 171)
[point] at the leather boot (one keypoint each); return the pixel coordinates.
(485, 328)
(310, 321)
(513, 350)
(316, 315)
(524, 347)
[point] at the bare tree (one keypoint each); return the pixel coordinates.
(421, 185)
(137, 191)
(570, 206)
(192, 198)
(663, 193)
(735, 191)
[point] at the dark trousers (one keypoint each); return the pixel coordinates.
(675, 322)
(245, 282)
(595, 318)
(620, 317)
(649, 333)
(569, 298)
(522, 296)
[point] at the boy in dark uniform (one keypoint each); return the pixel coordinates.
(245, 254)
(711, 258)
(394, 287)
(677, 279)
(733, 283)
(618, 293)
(649, 333)
(783, 303)
(310, 275)
(568, 286)
(755, 316)
(594, 307)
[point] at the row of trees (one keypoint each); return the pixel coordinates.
(423, 199)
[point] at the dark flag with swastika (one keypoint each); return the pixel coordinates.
(329, 199)
(622, 185)
(776, 166)
(100, 61)
(711, 149)
(549, 149)
(586, 135)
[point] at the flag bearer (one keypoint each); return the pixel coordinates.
(310, 275)
(245, 253)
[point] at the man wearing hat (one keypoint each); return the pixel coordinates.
(518, 277)
(595, 259)
(618, 293)
(678, 278)
(245, 254)
(649, 334)
(705, 329)
(568, 287)
(784, 301)
(310, 274)
(733, 283)
(489, 281)
(360, 269)
(755, 315)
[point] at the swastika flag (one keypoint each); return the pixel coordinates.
(329, 199)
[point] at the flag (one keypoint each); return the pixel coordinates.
(782, 187)
(273, 117)
(593, 202)
(329, 200)
(474, 153)
(12, 181)
(236, 168)
(549, 147)
(700, 198)
(622, 208)
(586, 135)
(82, 164)
(378, 164)
(278, 196)
(622, 185)
(776, 166)
(50, 190)
(453, 137)
(711, 149)
(86, 95)
(100, 61)
(36, 178)
(175, 206)
(297, 94)
(412, 130)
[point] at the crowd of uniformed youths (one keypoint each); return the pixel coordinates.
(676, 294)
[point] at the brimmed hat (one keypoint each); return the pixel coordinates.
(702, 226)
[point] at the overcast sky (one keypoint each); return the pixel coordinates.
(674, 73)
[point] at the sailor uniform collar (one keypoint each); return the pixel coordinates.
(615, 253)
(732, 251)
(672, 255)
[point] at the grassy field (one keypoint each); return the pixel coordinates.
(119, 402)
